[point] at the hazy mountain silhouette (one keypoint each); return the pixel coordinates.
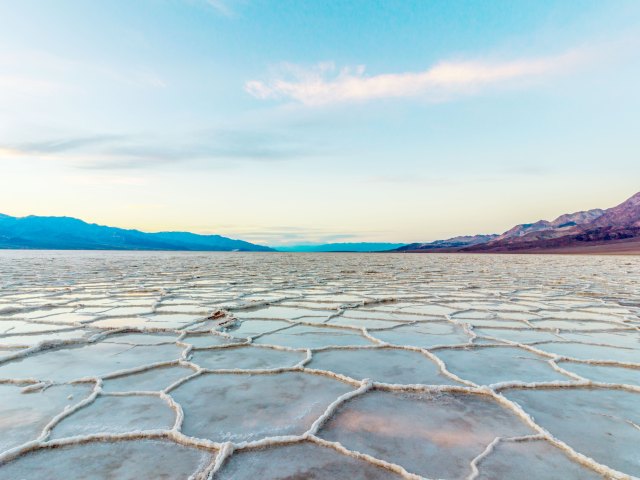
(341, 247)
(66, 233)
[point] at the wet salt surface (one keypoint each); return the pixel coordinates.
(324, 366)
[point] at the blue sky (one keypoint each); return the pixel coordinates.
(305, 121)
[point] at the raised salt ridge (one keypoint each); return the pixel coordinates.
(318, 366)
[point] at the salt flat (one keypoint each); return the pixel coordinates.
(325, 366)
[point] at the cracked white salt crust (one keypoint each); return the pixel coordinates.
(217, 365)
(113, 414)
(131, 459)
(526, 457)
(384, 365)
(302, 460)
(486, 365)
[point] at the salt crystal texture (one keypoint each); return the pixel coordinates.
(283, 366)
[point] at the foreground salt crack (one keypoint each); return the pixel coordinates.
(189, 365)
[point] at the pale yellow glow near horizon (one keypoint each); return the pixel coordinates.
(267, 208)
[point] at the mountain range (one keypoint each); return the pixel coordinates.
(451, 243)
(614, 230)
(341, 247)
(66, 233)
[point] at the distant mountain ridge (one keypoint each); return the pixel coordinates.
(619, 223)
(566, 221)
(455, 242)
(597, 230)
(67, 233)
(342, 247)
(574, 231)
(627, 214)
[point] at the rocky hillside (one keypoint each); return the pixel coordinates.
(568, 232)
(450, 243)
(619, 223)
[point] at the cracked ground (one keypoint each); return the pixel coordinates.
(324, 366)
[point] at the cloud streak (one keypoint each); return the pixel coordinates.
(324, 84)
(289, 235)
(221, 6)
(215, 148)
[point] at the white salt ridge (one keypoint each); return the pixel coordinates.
(245, 283)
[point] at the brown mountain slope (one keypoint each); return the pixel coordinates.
(627, 214)
(451, 243)
(618, 224)
(560, 224)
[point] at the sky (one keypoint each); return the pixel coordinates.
(294, 121)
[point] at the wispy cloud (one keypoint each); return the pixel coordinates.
(222, 7)
(290, 235)
(38, 73)
(66, 144)
(325, 84)
(284, 235)
(217, 148)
